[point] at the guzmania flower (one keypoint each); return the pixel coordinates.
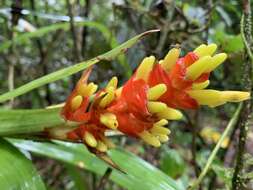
(142, 107)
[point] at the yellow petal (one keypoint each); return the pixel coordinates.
(155, 107)
(170, 59)
(76, 102)
(90, 139)
(150, 139)
(210, 49)
(87, 90)
(101, 146)
(201, 85)
(198, 67)
(170, 113)
(112, 83)
(159, 130)
(109, 97)
(210, 98)
(216, 61)
(156, 91)
(204, 50)
(161, 122)
(214, 98)
(200, 50)
(163, 138)
(145, 67)
(109, 120)
(235, 96)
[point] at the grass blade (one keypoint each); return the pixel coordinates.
(57, 75)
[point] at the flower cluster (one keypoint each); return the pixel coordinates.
(142, 107)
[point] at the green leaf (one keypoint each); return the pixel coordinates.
(172, 163)
(140, 174)
(23, 38)
(57, 75)
(229, 43)
(15, 122)
(17, 172)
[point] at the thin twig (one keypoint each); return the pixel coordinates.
(229, 127)
(16, 8)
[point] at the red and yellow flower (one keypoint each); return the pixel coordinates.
(143, 105)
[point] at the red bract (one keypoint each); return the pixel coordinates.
(131, 108)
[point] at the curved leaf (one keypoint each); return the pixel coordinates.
(140, 174)
(17, 172)
(62, 73)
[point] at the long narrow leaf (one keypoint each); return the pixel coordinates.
(17, 172)
(15, 122)
(139, 173)
(72, 69)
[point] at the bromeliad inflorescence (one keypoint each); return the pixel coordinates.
(143, 105)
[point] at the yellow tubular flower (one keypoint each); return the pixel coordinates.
(235, 96)
(156, 107)
(87, 90)
(201, 85)
(159, 130)
(211, 48)
(213, 98)
(170, 114)
(145, 67)
(76, 102)
(216, 61)
(204, 50)
(109, 120)
(163, 138)
(109, 97)
(156, 91)
(90, 139)
(198, 67)
(150, 139)
(200, 50)
(112, 83)
(161, 122)
(170, 59)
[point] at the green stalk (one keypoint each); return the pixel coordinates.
(229, 127)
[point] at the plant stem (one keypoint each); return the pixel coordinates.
(230, 125)
(246, 31)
